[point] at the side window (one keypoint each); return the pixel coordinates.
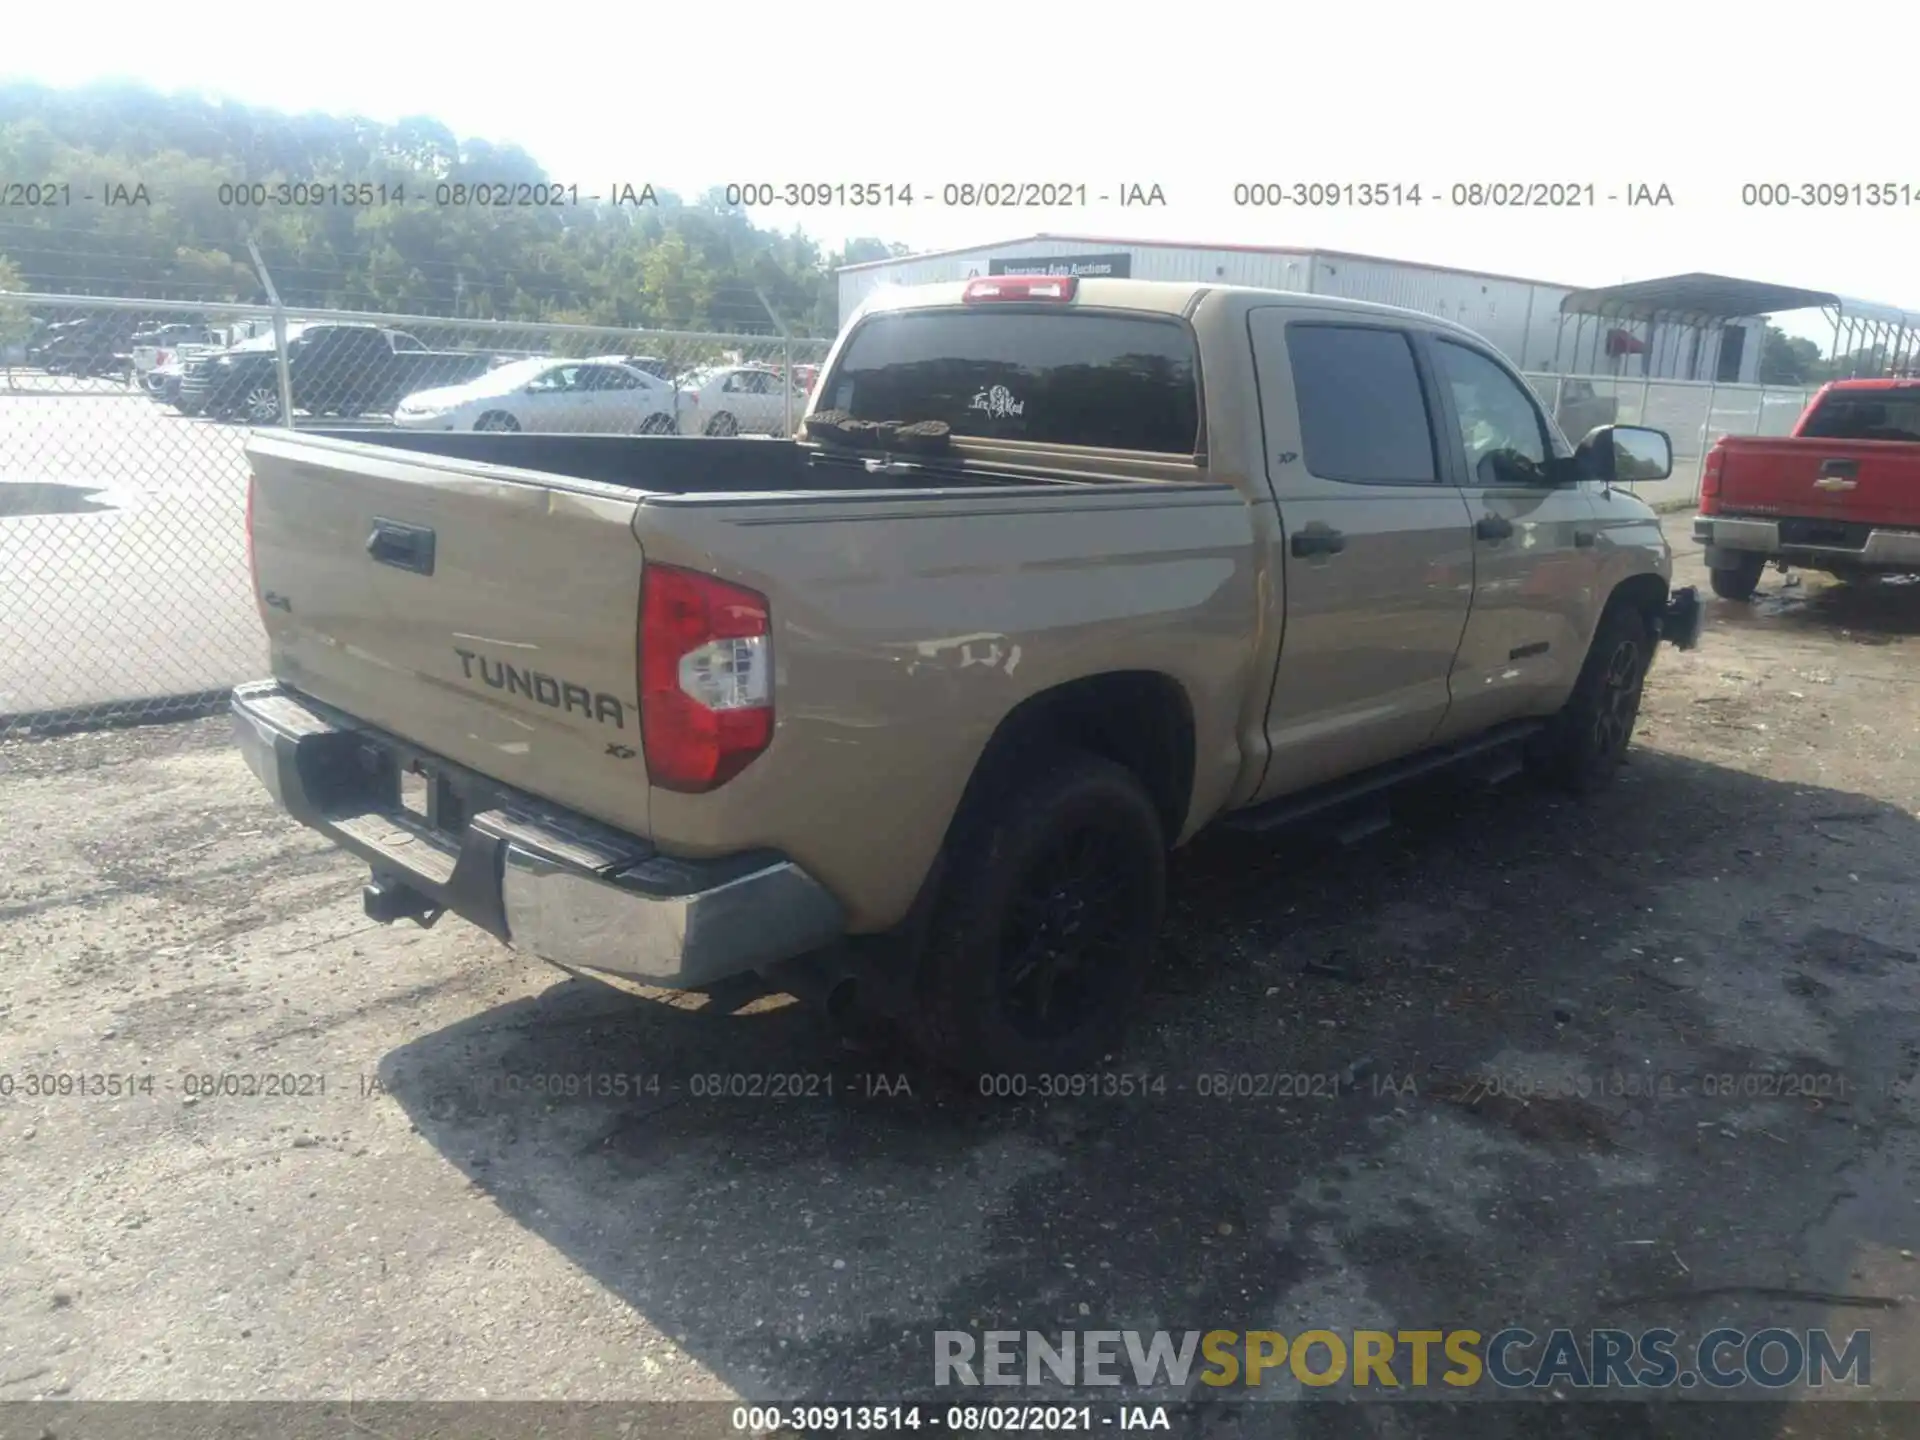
(1500, 428)
(1363, 416)
(550, 381)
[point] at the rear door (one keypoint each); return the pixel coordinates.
(618, 400)
(556, 400)
(1536, 566)
(1375, 545)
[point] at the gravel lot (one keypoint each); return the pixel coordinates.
(433, 1226)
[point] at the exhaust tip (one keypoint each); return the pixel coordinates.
(841, 997)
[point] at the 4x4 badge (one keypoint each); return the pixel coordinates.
(622, 752)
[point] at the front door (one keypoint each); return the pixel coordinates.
(1534, 530)
(1375, 546)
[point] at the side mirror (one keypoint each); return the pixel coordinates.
(1622, 454)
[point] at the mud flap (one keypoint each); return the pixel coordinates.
(1680, 626)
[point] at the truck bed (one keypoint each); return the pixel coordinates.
(687, 465)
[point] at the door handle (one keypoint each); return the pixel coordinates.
(1840, 467)
(1318, 540)
(405, 547)
(1493, 527)
(1583, 539)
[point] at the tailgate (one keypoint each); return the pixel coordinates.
(1862, 481)
(485, 614)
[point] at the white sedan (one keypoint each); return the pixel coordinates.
(602, 396)
(740, 400)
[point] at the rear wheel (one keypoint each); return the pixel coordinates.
(1740, 581)
(656, 425)
(1045, 925)
(723, 424)
(496, 420)
(1586, 742)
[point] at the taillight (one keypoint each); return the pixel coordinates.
(1710, 480)
(706, 678)
(1020, 287)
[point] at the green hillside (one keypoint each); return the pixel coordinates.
(156, 226)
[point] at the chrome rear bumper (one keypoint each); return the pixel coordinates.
(545, 880)
(1731, 537)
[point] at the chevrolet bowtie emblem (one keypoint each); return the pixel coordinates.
(1834, 482)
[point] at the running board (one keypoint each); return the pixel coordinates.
(1497, 753)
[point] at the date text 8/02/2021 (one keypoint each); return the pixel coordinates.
(1443, 1361)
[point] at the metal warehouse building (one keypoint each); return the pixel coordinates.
(1522, 317)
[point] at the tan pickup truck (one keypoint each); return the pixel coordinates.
(911, 713)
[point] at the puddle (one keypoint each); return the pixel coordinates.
(33, 497)
(1870, 612)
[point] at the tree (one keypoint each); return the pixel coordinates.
(16, 325)
(207, 165)
(1788, 359)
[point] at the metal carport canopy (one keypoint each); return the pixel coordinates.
(1721, 297)
(1707, 297)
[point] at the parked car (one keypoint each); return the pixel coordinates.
(94, 344)
(920, 711)
(163, 382)
(155, 347)
(740, 400)
(605, 396)
(159, 362)
(1840, 494)
(1582, 408)
(333, 369)
(651, 364)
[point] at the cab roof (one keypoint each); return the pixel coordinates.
(1163, 297)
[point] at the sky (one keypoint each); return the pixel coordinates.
(1194, 98)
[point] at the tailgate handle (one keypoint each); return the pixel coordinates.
(405, 547)
(1840, 467)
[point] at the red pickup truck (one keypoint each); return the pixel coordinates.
(1840, 494)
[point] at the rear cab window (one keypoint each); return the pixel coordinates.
(1101, 379)
(1880, 414)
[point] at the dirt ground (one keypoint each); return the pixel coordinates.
(1640, 1061)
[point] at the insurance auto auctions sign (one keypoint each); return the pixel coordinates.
(1091, 267)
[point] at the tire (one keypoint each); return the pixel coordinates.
(1045, 923)
(1741, 581)
(723, 425)
(1586, 742)
(657, 424)
(496, 420)
(259, 405)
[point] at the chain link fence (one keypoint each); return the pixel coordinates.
(123, 479)
(1694, 413)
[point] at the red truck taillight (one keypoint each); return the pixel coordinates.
(1710, 470)
(706, 678)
